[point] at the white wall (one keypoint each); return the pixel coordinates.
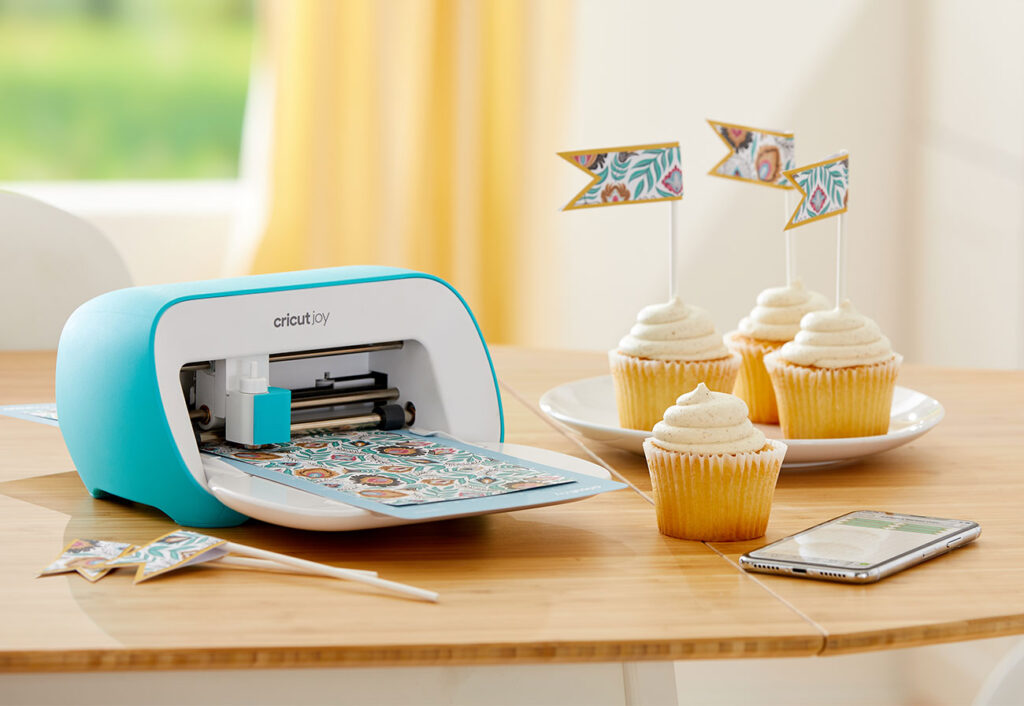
(928, 97)
(968, 292)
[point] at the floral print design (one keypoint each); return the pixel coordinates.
(614, 192)
(824, 187)
(392, 467)
(88, 557)
(629, 175)
(755, 155)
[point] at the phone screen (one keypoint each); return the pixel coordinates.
(860, 540)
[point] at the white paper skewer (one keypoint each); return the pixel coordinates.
(672, 291)
(840, 260)
(393, 586)
(790, 255)
(262, 565)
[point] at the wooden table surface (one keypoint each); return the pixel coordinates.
(586, 581)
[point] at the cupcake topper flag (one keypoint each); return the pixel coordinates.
(759, 157)
(824, 189)
(637, 174)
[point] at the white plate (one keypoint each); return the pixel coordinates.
(588, 407)
(282, 505)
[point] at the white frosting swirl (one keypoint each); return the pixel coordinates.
(706, 422)
(673, 331)
(837, 338)
(779, 311)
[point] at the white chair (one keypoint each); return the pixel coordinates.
(50, 262)
(1005, 685)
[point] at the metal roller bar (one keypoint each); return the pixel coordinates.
(319, 353)
(370, 420)
(386, 394)
(343, 350)
(355, 421)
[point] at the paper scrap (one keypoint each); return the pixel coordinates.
(43, 413)
(88, 557)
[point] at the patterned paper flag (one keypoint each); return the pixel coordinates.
(172, 551)
(88, 557)
(824, 188)
(757, 156)
(621, 175)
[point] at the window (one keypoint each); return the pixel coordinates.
(122, 89)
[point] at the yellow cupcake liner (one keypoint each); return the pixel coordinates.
(829, 403)
(645, 388)
(714, 497)
(753, 385)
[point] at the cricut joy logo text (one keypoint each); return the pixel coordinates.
(310, 318)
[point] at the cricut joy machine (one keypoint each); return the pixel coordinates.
(145, 375)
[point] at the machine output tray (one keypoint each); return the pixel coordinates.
(290, 507)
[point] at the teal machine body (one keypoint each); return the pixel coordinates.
(145, 374)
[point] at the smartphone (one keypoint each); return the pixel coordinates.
(861, 547)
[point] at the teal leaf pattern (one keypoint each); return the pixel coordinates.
(825, 189)
(630, 175)
(392, 467)
(171, 551)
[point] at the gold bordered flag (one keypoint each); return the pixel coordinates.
(824, 189)
(173, 550)
(621, 175)
(756, 156)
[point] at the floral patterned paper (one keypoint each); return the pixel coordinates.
(757, 156)
(88, 557)
(621, 175)
(824, 187)
(396, 468)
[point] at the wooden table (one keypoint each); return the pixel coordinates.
(591, 581)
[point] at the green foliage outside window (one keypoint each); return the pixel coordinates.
(122, 89)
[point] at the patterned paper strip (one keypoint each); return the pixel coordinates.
(173, 550)
(756, 156)
(392, 467)
(824, 188)
(88, 557)
(621, 175)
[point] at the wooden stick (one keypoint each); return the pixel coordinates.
(673, 292)
(393, 586)
(840, 261)
(263, 565)
(790, 252)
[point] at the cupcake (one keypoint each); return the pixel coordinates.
(670, 349)
(774, 321)
(836, 378)
(713, 472)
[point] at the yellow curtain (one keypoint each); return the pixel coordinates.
(401, 132)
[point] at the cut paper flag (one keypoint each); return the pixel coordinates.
(88, 557)
(173, 550)
(621, 175)
(757, 156)
(823, 187)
